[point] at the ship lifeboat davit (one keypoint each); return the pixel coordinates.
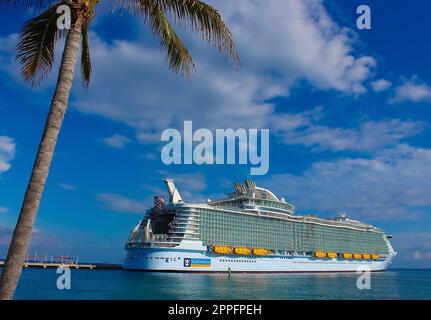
(241, 250)
(357, 256)
(222, 249)
(332, 254)
(347, 255)
(320, 254)
(260, 251)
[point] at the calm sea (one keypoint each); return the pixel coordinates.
(117, 284)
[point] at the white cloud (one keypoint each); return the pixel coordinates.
(297, 40)
(149, 156)
(190, 185)
(3, 209)
(413, 91)
(381, 85)
(7, 153)
(392, 183)
(187, 181)
(292, 41)
(164, 100)
(422, 255)
(41, 240)
(7, 54)
(414, 248)
(304, 129)
(65, 186)
(117, 141)
(5, 234)
(120, 203)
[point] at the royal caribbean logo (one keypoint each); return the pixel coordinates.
(197, 263)
(187, 262)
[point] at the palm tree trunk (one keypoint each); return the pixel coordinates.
(22, 235)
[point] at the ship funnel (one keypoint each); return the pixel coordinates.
(174, 195)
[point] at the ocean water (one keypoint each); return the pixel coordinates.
(118, 284)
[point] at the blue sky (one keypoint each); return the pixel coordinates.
(348, 110)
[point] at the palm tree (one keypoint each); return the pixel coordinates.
(35, 52)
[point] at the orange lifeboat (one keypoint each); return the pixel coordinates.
(241, 250)
(320, 254)
(331, 254)
(260, 251)
(222, 249)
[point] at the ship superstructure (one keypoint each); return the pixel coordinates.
(251, 230)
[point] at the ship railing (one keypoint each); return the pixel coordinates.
(176, 226)
(191, 219)
(186, 216)
(159, 238)
(287, 216)
(341, 223)
(178, 239)
(184, 232)
(131, 245)
(185, 221)
(280, 211)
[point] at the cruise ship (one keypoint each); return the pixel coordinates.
(251, 230)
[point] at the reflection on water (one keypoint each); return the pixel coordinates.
(108, 284)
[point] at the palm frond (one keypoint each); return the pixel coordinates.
(85, 56)
(203, 18)
(199, 16)
(177, 54)
(35, 49)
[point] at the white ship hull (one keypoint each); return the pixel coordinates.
(193, 257)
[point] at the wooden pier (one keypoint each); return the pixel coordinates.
(44, 265)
